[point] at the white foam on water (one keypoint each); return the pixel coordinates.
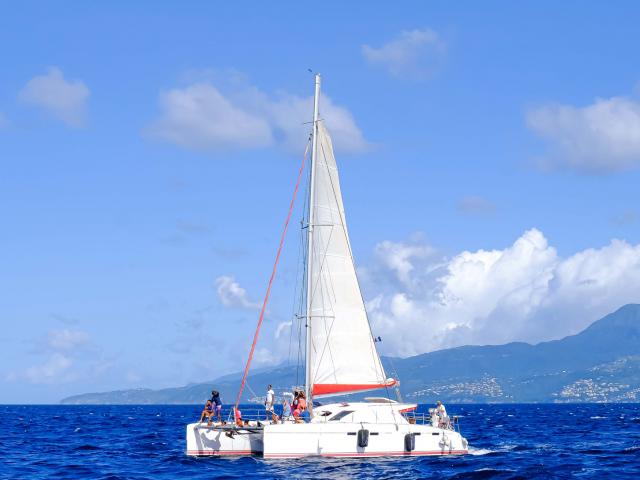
(506, 448)
(480, 451)
(597, 417)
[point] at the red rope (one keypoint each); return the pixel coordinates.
(273, 275)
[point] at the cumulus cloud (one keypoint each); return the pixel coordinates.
(282, 328)
(400, 258)
(232, 295)
(524, 292)
(263, 357)
(476, 205)
(62, 348)
(66, 339)
(412, 54)
(55, 369)
(601, 137)
(202, 117)
(64, 99)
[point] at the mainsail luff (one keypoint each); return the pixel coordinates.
(341, 356)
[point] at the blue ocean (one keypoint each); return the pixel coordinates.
(136, 442)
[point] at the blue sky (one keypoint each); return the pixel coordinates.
(489, 156)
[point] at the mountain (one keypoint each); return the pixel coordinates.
(599, 364)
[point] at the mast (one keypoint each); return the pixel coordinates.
(314, 147)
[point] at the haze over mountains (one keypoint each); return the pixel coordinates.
(600, 364)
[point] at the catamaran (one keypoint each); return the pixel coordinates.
(340, 353)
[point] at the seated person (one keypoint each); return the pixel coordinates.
(299, 406)
(238, 415)
(207, 412)
(287, 411)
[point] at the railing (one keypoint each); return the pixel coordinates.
(253, 416)
(256, 416)
(428, 418)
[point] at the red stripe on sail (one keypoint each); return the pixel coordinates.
(335, 388)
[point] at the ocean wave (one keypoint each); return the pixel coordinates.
(536, 442)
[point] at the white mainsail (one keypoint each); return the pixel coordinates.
(341, 356)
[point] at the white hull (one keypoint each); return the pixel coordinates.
(338, 430)
(211, 441)
(341, 440)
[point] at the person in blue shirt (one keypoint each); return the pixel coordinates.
(217, 404)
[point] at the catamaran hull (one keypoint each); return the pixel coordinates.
(343, 440)
(307, 440)
(217, 441)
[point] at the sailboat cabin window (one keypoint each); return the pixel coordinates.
(340, 415)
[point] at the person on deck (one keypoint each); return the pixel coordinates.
(294, 403)
(207, 412)
(217, 404)
(441, 412)
(299, 406)
(287, 410)
(268, 402)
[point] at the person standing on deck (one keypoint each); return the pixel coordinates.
(268, 402)
(441, 412)
(217, 404)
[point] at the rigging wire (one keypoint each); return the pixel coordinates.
(298, 297)
(273, 274)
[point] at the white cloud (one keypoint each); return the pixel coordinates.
(601, 137)
(399, 258)
(231, 294)
(525, 292)
(64, 99)
(413, 54)
(282, 327)
(476, 205)
(202, 117)
(66, 339)
(62, 348)
(263, 357)
(54, 370)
